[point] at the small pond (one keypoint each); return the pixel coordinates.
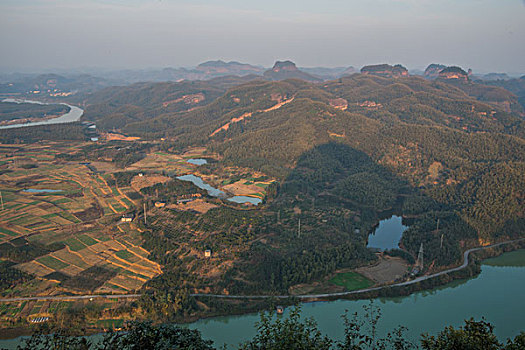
(197, 181)
(388, 234)
(245, 199)
(197, 161)
(214, 192)
(40, 190)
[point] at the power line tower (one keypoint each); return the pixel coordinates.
(419, 262)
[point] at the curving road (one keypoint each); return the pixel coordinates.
(366, 290)
(308, 296)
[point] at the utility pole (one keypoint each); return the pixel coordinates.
(420, 257)
(299, 229)
(437, 226)
(2, 200)
(441, 241)
(279, 216)
(145, 221)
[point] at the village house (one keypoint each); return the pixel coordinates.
(160, 204)
(127, 217)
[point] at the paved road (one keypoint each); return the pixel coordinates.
(73, 297)
(309, 296)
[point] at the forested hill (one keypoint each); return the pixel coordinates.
(465, 155)
(516, 86)
(117, 107)
(411, 101)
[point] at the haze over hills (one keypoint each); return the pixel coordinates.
(61, 85)
(198, 159)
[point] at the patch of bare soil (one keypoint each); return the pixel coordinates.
(139, 182)
(198, 205)
(240, 189)
(388, 269)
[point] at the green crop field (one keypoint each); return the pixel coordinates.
(351, 281)
(51, 262)
(8, 232)
(86, 240)
(74, 244)
(124, 254)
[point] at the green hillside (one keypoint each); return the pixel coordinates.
(346, 153)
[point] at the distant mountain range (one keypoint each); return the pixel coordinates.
(55, 86)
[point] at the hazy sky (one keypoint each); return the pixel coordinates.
(486, 35)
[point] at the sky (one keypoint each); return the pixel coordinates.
(485, 35)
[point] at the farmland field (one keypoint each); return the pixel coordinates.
(69, 221)
(351, 281)
(65, 233)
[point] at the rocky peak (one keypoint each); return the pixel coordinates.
(284, 65)
(455, 73)
(282, 70)
(433, 70)
(385, 70)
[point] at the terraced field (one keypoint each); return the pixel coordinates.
(69, 219)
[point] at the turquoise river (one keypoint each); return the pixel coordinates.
(497, 293)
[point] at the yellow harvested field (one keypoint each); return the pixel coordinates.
(139, 182)
(199, 205)
(34, 268)
(70, 258)
(90, 257)
(240, 189)
(159, 161)
(118, 137)
(126, 282)
(148, 272)
(71, 270)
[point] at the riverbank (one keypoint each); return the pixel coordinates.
(74, 115)
(498, 288)
(237, 306)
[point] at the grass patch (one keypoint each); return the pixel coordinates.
(51, 262)
(351, 281)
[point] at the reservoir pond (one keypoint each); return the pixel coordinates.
(387, 234)
(214, 192)
(197, 181)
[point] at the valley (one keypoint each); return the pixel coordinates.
(255, 188)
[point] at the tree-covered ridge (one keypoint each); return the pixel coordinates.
(432, 134)
(515, 86)
(13, 110)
